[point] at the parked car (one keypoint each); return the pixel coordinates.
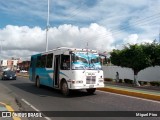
(9, 75)
(23, 71)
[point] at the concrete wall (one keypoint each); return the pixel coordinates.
(148, 74)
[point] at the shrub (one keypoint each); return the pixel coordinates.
(142, 83)
(128, 81)
(155, 83)
(108, 79)
(120, 81)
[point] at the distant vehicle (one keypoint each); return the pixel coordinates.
(23, 71)
(6, 69)
(67, 69)
(9, 75)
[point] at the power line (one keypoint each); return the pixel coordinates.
(74, 12)
(116, 32)
(145, 21)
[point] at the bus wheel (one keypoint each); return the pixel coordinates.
(37, 82)
(91, 91)
(64, 88)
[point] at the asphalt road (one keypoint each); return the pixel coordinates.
(47, 99)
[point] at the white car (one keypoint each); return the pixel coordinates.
(23, 71)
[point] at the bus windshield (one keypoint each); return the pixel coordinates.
(84, 60)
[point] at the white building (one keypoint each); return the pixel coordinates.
(11, 63)
(4, 63)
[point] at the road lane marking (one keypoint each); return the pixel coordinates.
(34, 108)
(30, 105)
(10, 109)
(130, 96)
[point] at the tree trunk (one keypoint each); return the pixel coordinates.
(135, 78)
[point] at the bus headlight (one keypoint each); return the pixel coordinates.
(80, 81)
(77, 81)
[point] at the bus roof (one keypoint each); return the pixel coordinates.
(76, 49)
(64, 49)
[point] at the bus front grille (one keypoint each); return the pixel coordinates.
(90, 79)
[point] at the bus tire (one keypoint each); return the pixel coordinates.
(64, 88)
(91, 90)
(38, 82)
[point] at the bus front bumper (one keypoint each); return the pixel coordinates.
(85, 86)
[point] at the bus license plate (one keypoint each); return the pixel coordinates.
(91, 86)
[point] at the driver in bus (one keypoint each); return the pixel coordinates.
(66, 64)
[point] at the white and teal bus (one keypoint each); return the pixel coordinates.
(67, 69)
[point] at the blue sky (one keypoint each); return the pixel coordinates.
(105, 24)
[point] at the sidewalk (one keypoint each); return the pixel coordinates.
(7, 102)
(147, 92)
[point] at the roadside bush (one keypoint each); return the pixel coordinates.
(155, 83)
(142, 83)
(128, 81)
(108, 79)
(120, 81)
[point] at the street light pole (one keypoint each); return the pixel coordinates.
(1, 45)
(1, 54)
(47, 28)
(159, 35)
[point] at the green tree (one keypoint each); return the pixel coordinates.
(153, 51)
(137, 57)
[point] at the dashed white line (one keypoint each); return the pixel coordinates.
(130, 96)
(47, 118)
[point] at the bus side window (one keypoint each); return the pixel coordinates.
(49, 60)
(65, 62)
(31, 63)
(43, 61)
(38, 61)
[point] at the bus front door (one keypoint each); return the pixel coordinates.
(56, 70)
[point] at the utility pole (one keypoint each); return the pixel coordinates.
(1, 45)
(159, 35)
(1, 54)
(47, 28)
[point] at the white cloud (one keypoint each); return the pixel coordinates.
(134, 39)
(73, 36)
(131, 39)
(114, 21)
(22, 38)
(22, 41)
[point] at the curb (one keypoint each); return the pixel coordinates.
(23, 75)
(131, 93)
(10, 109)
